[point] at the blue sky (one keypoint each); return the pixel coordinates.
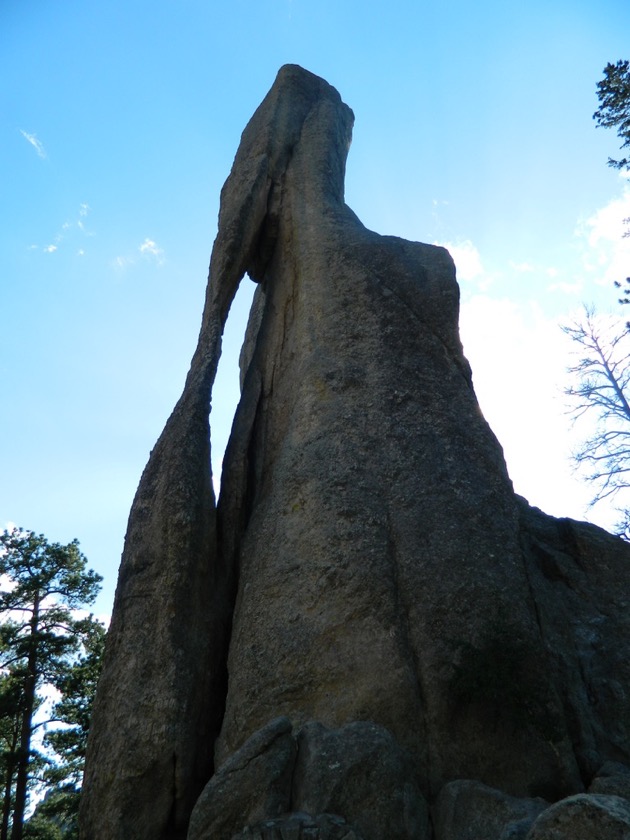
(119, 122)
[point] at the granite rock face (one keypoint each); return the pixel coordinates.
(584, 817)
(254, 784)
(369, 574)
(277, 778)
(360, 771)
(469, 810)
(612, 779)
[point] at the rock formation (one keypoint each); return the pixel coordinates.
(371, 627)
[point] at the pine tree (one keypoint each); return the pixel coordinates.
(613, 93)
(43, 586)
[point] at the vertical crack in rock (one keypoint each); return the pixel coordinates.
(401, 626)
(362, 490)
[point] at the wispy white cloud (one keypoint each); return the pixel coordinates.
(522, 267)
(605, 249)
(607, 223)
(150, 249)
(467, 259)
(65, 232)
(572, 286)
(35, 143)
(121, 263)
(539, 271)
(575, 289)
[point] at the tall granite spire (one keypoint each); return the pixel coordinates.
(370, 592)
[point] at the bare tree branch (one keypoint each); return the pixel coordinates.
(601, 392)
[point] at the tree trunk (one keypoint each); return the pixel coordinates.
(24, 751)
(8, 788)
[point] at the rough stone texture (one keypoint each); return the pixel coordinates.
(469, 810)
(580, 581)
(300, 827)
(361, 772)
(612, 768)
(516, 830)
(612, 779)
(358, 771)
(254, 784)
(584, 817)
(369, 560)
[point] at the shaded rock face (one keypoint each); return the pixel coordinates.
(584, 817)
(369, 570)
(469, 810)
(254, 784)
(279, 781)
